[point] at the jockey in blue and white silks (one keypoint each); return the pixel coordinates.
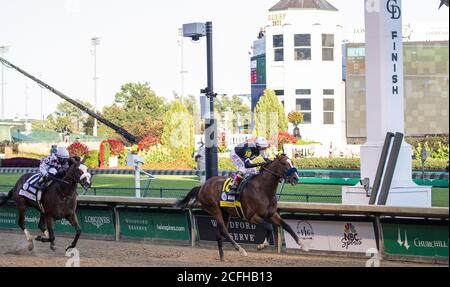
(53, 164)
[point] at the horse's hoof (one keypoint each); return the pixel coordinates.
(53, 247)
(30, 245)
(261, 246)
(302, 245)
(243, 252)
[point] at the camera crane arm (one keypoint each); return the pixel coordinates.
(131, 138)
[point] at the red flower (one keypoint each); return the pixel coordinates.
(148, 141)
(286, 138)
(116, 146)
(78, 149)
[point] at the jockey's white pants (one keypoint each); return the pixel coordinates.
(241, 165)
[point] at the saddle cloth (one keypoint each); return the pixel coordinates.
(29, 189)
(233, 201)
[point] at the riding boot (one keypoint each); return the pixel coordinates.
(42, 183)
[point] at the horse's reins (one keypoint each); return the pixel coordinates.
(271, 172)
(277, 175)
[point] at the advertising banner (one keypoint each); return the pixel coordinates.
(342, 236)
(415, 240)
(240, 230)
(142, 223)
(97, 222)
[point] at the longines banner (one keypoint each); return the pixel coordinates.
(241, 231)
(344, 236)
(97, 222)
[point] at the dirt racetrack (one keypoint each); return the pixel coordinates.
(110, 253)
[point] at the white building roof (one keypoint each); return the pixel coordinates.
(303, 4)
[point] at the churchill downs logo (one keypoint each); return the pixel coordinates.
(393, 8)
(350, 236)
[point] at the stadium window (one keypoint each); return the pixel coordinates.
(303, 92)
(279, 92)
(304, 106)
(278, 50)
(328, 111)
(302, 47)
(328, 92)
(327, 47)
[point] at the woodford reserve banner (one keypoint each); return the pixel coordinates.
(145, 223)
(241, 230)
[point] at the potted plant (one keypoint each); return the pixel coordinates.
(296, 118)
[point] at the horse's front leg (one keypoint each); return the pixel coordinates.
(269, 231)
(42, 227)
(74, 222)
(276, 218)
(51, 234)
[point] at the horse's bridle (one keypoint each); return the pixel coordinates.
(288, 173)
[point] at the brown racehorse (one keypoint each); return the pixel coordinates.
(258, 200)
(59, 201)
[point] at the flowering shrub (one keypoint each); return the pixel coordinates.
(173, 165)
(156, 154)
(285, 138)
(92, 159)
(104, 153)
(78, 149)
(295, 118)
(148, 141)
(116, 147)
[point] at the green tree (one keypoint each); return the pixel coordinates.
(67, 115)
(137, 109)
(138, 101)
(178, 133)
(269, 115)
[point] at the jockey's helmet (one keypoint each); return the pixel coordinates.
(261, 142)
(62, 154)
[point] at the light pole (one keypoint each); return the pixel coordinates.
(95, 42)
(3, 50)
(182, 71)
(195, 31)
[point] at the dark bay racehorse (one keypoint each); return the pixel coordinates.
(258, 200)
(59, 201)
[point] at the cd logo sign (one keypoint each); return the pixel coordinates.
(394, 9)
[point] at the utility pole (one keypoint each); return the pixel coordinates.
(95, 42)
(211, 126)
(195, 31)
(3, 50)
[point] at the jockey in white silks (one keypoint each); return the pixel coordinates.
(51, 165)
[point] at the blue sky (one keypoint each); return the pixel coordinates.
(139, 42)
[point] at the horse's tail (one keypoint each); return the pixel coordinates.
(5, 197)
(183, 203)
